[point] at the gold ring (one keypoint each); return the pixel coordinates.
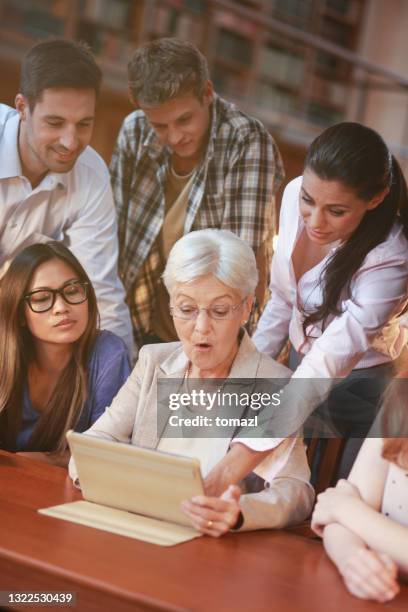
(209, 524)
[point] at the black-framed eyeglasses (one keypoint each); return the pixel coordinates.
(41, 300)
(218, 312)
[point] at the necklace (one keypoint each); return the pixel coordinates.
(187, 375)
(181, 177)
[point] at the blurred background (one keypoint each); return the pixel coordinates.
(297, 65)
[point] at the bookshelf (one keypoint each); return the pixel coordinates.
(110, 27)
(293, 78)
(248, 62)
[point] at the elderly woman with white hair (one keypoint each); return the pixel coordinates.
(211, 277)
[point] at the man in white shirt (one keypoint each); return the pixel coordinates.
(53, 186)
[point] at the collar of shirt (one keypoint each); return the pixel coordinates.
(10, 160)
(155, 148)
(11, 164)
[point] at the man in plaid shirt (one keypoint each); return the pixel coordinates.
(185, 160)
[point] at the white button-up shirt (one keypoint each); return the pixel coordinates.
(75, 207)
(369, 330)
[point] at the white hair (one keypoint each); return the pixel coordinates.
(212, 251)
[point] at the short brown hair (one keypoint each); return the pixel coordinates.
(58, 63)
(164, 69)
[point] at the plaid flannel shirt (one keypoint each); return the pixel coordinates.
(233, 188)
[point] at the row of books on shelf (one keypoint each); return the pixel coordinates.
(293, 10)
(171, 22)
(42, 18)
(320, 114)
(228, 83)
(57, 8)
(272, 98)
(350, 9)
(195, 6)
(337, 33)
(234, 48)
(332, 92)
(282, 66)
(346, 11)
(107, 44)
(32, 20)
(284, 85)
(236, 23)
(180, 17)
(299, 10)
(106, 12)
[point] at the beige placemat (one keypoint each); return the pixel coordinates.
(122, 522)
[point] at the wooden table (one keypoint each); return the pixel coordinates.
(257, 571)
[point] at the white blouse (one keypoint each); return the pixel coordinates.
(209, 451)
(369, 330)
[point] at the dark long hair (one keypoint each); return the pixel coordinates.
(357, 157)
(67, 400)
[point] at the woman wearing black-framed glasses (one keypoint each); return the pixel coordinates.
(72, 292)
(57, 370)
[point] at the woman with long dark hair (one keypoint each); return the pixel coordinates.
(57, 370)
(339, 279)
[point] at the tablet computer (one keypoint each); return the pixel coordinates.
(133, 478)
(131, 491)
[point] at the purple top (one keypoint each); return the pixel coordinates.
(108, 370)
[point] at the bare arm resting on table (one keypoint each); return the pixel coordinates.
(367, 547)
(366, 573)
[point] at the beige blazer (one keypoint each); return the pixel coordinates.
(132, 418)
